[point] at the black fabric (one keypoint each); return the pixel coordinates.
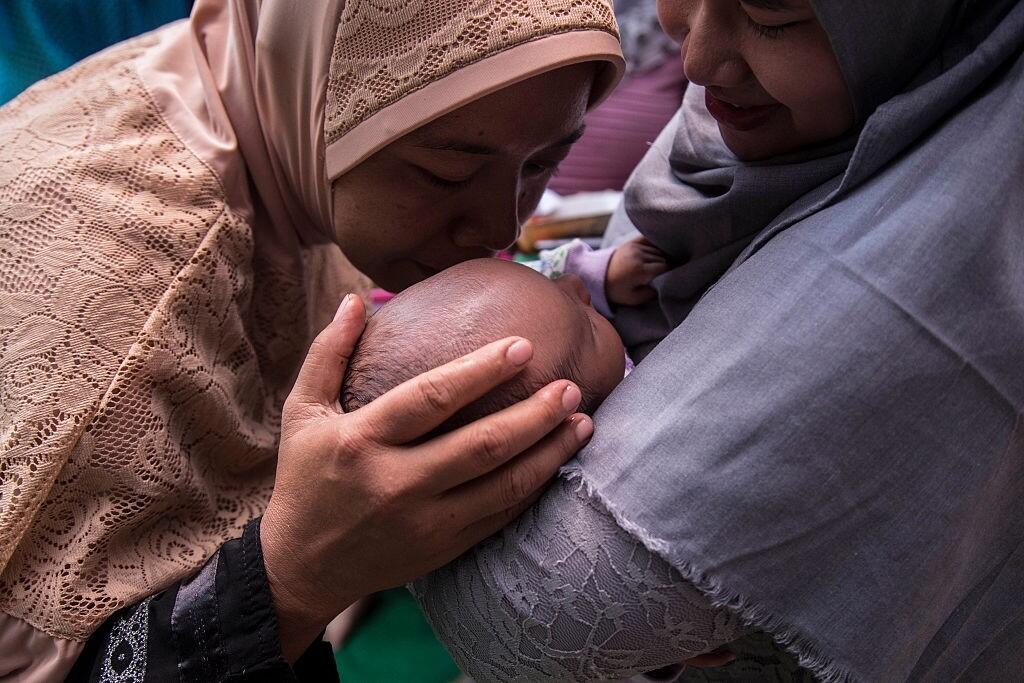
(218, 625)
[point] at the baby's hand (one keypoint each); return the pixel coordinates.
(630, 271)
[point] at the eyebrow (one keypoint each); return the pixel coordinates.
(472, 148)
(770, 5)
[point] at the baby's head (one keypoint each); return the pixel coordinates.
(475, 303)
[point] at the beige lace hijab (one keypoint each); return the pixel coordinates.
(165, 219)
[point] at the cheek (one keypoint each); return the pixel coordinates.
(816, 96)
(388, 221)
(529, 196)
(612, 356)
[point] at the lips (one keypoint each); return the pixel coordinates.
(738, 118)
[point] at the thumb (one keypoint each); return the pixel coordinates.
(321, 374)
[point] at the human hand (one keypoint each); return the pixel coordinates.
(632, 267)
(708, 660)
(713, 659)
(362, 502)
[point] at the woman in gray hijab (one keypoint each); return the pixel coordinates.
(825, 438)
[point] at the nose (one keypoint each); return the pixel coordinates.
(493, 223)
(574, 287)
(709, 54)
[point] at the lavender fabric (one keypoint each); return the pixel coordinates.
(829, 438)
(589, 265)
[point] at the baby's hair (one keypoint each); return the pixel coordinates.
(410, 336)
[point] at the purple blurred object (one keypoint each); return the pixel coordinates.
(620, 130)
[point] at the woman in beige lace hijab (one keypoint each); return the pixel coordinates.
(171, 213)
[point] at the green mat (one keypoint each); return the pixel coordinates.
(395, 643)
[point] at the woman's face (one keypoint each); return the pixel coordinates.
(459, 187)
(772, 80)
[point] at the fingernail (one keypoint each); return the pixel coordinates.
(571, 397)
(519, 353)
(584, 429)
(344, 304)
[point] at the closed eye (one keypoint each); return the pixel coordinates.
(539, 168)
(770, 32)
(442, 182)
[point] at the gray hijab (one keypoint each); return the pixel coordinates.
(827, 435)
(703, 207)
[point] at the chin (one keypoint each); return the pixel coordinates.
(747, 147)
(761, 144)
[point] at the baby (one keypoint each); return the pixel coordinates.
(480, 301)
(474, 303)
(477, 302)
(620, 275)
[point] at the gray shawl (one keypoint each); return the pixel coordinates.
(830, 439)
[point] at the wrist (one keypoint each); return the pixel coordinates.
(300, 618)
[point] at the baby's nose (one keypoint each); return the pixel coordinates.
(574, 287)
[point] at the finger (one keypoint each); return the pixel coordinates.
(651, 253)
(419, 405)
(492, 524)
(654, 268)
(642, 295)
(480, 447)
(322, 372)
(515, 482)
(719, 657)
(665, 673)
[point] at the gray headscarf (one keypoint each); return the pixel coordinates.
(703, 207)
(830, 439)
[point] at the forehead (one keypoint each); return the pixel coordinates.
(543, 111)
(539, 305)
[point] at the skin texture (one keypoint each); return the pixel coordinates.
(344, 486)
(630, 270)
(477, 302)
(459, 187)
(362, 502)
(749, 56)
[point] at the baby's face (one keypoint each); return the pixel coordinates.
(602, 356)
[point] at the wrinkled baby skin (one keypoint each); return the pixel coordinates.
(477, 302)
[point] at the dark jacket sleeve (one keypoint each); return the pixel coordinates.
(218, 625)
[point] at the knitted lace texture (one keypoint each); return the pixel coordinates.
(146, 349)
(386, 49)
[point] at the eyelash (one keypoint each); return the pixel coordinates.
(769, 32)
(542, 168)
(438, 181)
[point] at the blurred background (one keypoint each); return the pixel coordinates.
(42, 37)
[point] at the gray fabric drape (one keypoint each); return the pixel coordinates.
(830, 439)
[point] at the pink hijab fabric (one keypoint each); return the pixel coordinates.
(168, 173)
(300, 93)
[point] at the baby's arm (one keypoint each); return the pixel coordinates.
(632, 267)
(576, 258)
(616, 275)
